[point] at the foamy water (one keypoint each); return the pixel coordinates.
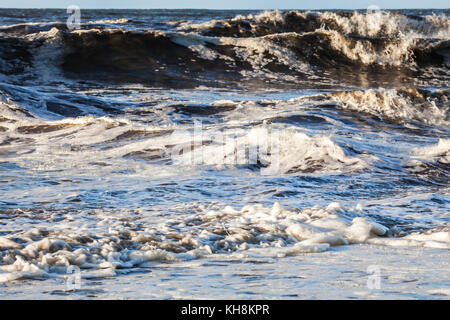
(255, 155)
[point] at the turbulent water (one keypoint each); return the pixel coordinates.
(153, 140)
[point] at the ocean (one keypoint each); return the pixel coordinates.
(171, 154)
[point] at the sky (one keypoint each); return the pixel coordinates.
(228, 4)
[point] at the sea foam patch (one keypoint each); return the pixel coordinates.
(122, 240)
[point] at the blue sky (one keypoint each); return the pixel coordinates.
(229, 4)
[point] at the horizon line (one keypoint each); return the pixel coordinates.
(230, 9)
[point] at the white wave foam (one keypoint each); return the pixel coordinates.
(123, 240)
(390, 24)
(405, 104)
(49, 55)
(439, 152)
(279, 152)
(395, 53)
(267, 16)
(258, 52)
(370, 24)
(110, 21)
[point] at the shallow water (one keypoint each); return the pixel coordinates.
(341, 273)
(151, 145)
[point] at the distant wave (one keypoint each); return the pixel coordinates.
(285, 47)
(381, 24)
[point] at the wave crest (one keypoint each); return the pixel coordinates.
(399, 104)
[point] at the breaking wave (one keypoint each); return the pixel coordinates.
(432, 162)
(371, 24)
(399, 105)
(273, 46)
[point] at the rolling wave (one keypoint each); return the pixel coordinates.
(288, 47)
